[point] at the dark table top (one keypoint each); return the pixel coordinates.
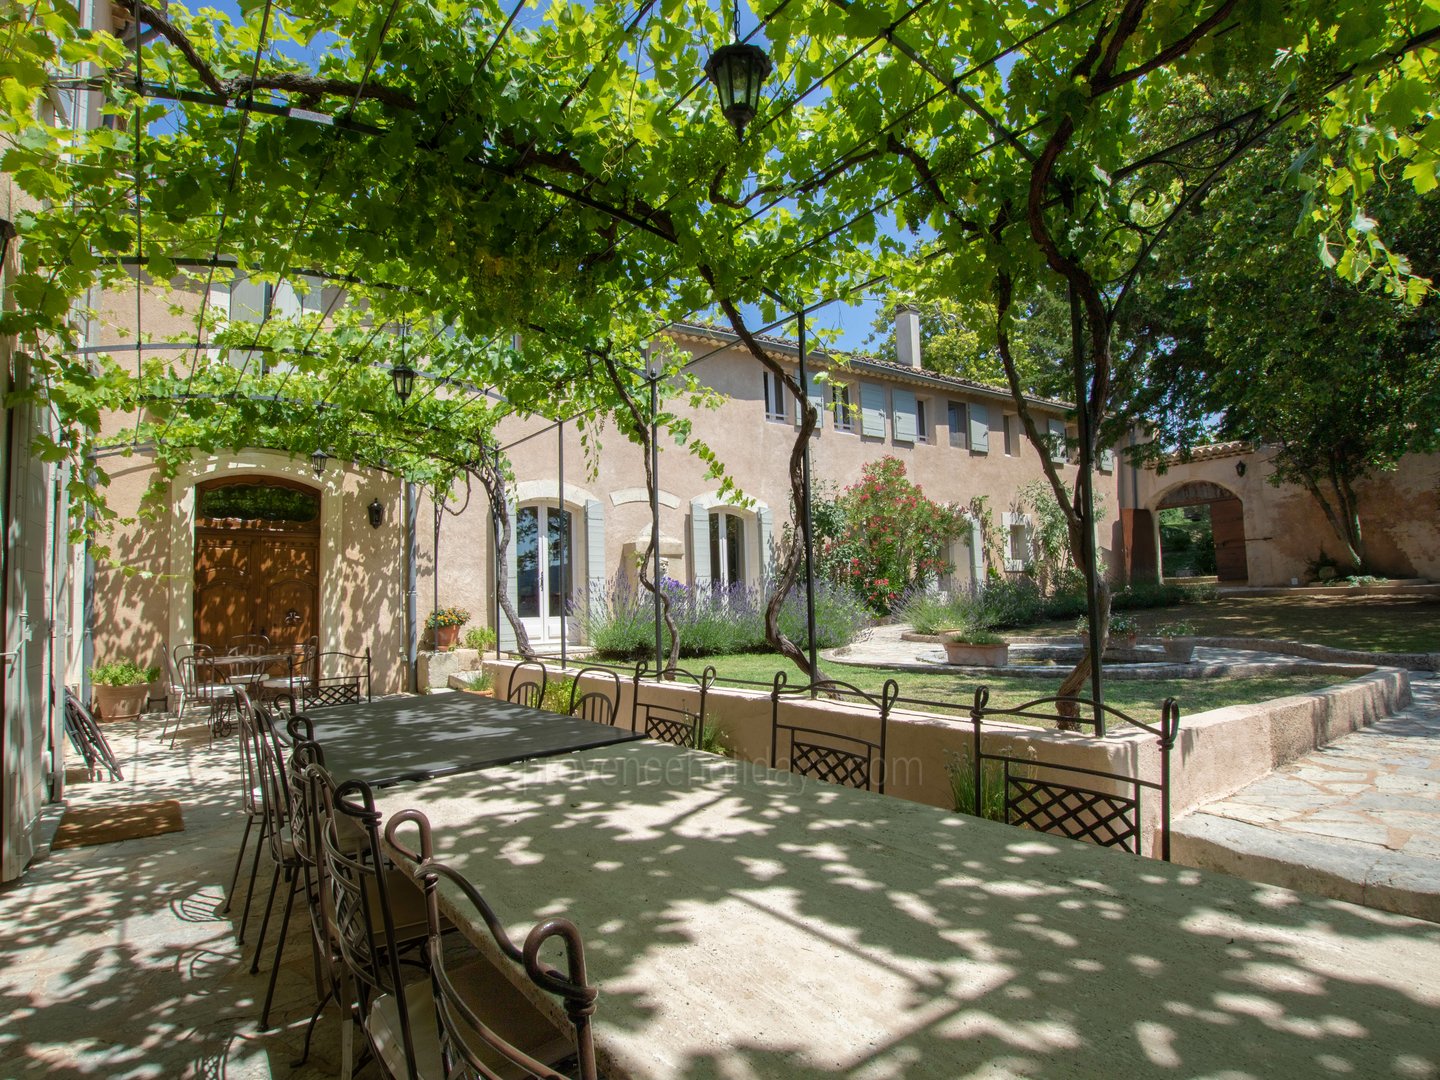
(416, 738)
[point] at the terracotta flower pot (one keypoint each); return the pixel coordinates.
(446, 636)
(121, 702)
(960, 652)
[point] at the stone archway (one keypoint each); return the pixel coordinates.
(1227, 523)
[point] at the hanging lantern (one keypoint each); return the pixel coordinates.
(317, 463)
(403, 376)
(738, 72)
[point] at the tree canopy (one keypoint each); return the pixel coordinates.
(469, 173)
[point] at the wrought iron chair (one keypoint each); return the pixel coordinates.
(302, 673)
(823, 747)
(201, 687)
(341, 679)
(598, 705)
(657, 716)
(252, 805)
(486, 1027)
(527, 684)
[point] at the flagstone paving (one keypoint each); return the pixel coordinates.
(1357, 820)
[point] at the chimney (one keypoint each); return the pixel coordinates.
(907, 336)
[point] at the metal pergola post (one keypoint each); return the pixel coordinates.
(564, 537)
(1085, 497)
(654, 378)
(805, 519)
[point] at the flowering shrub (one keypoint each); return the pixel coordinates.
(893, 538)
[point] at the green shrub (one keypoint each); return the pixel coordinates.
(480, 638)
(712, 739)
(123, 673)
(557, 695)
(961, 770)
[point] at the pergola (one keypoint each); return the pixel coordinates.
(513, 204)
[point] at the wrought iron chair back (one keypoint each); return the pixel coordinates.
(527, 684)
(464, 1035)
(85, 735)
(364, 923)
(598, 705)
(192, 670)
(818, 750)
(248, 645)
(1098, 805)
(657, 717)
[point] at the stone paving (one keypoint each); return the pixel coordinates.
(118, 961)
(1356, 820)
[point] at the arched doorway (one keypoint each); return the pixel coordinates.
(257, 560)
(1226, 514)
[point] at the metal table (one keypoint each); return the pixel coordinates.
(744, 922)
(415, 738)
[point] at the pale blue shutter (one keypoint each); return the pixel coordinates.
(596, 578)
(903, 410)
(872, 410)
(699, 544)
(955, 416)
(512, 582)
(815, 396)
(980, 429)
(247, 305)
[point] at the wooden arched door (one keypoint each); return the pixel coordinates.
(257, 561)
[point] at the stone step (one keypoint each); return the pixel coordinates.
(1359, 873)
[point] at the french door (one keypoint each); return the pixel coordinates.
(545, 569)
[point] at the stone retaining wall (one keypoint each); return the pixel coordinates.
(1217, 752)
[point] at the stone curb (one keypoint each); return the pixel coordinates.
(1390, 881)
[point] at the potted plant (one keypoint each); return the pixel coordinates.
(1178, 640)
(975, 646)
(446, 623)
(1123, 630)
(121, 688)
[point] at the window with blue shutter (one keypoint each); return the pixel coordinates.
(903, 406)
(980, 429)
(872, 410)
(955, 415)
(1107, 460)
(1057, 440)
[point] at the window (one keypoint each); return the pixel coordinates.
(843, 406)
(727, 549)
(1017, 541)
(774, 397)
(955, 417)
(1012, 435)
(922, 421)
(1056, 431)
(1107, 460)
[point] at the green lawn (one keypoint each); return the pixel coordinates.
(1369, 623)
(1141, 698)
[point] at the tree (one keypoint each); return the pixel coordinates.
(1256, 339)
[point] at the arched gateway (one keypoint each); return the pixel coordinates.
(1227, 523)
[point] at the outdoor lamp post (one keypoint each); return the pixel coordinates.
(738, 71)
(403, 376)
(317, 463)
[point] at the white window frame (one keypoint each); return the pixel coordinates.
(1011, 424)
(842, 405)
(774, 391)
(922, 420)
(1017, 525)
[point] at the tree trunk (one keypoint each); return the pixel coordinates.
(493, 480)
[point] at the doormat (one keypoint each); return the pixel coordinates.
(107, 824)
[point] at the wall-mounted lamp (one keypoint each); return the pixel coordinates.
(317, 463)
(1240, 468)
(376, 511)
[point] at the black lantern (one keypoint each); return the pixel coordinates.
(738, 71)
(1240, 468)
(403, 376)
(376, 511)
(317, 463)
